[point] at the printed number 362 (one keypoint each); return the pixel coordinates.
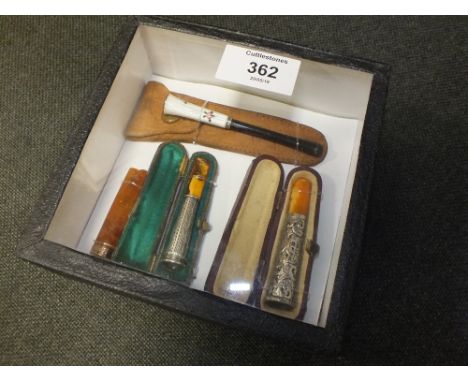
(263, 70)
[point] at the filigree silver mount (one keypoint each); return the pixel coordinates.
(282, 285)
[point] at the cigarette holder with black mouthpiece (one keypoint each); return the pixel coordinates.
(177, 107)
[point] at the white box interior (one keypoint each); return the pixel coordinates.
(330, 98)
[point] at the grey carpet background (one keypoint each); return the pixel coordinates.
(410, 299)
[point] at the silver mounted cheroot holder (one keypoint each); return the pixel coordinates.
(175, 255)
(282, 287)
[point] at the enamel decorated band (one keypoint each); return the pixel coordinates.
(176, 106)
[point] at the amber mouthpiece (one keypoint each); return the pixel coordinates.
(199, 173)
(283, 282)
(119, 213)
(300, 196)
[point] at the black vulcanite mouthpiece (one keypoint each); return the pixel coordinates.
(307, 147)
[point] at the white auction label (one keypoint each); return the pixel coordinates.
(262, 70)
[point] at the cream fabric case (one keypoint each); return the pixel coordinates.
(245, 257)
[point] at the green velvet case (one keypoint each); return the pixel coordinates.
(200, 226)
(144, 230)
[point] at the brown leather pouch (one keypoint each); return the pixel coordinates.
(149, 124)
(247, 255)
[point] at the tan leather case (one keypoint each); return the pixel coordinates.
(149, 124)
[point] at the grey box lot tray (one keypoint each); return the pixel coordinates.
(35, 248)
